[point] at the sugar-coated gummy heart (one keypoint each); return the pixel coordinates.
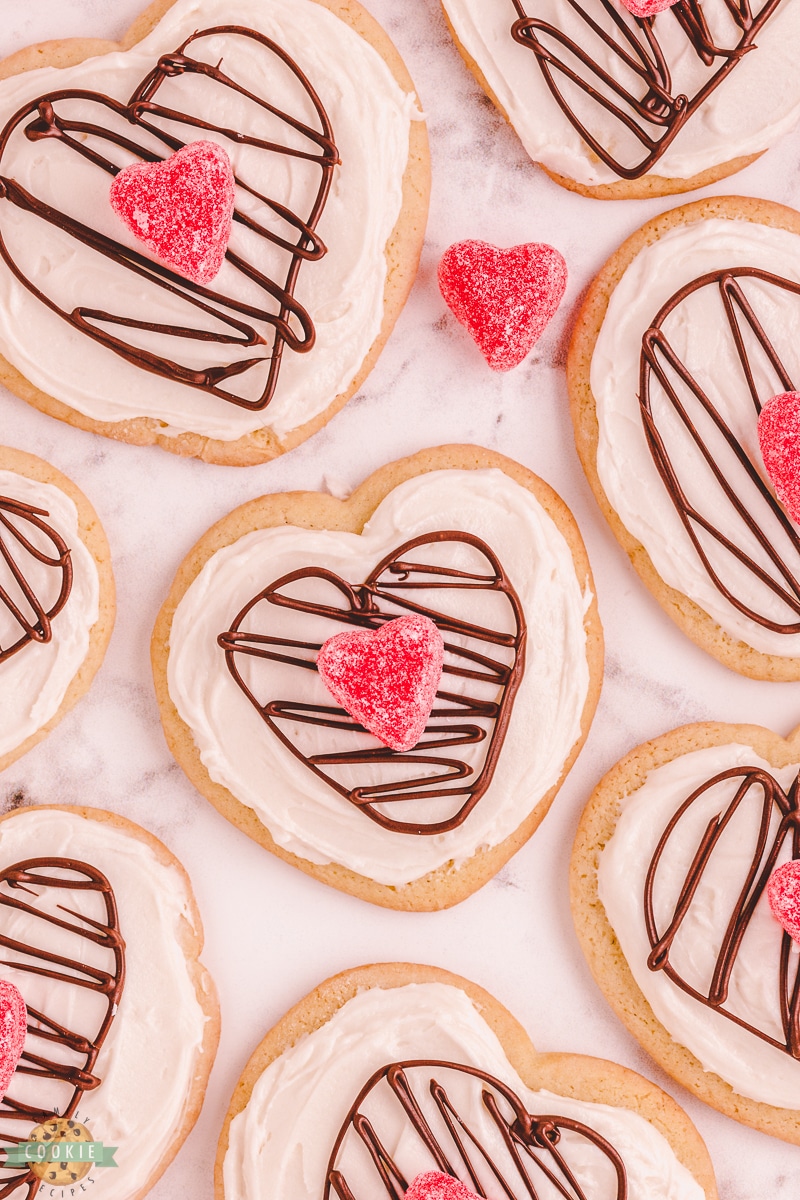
(783, 893)
(181, 208)
(13, 1028)
(386, 678)
(435, 1185)
(647, 8)
(505, 298)
(779, 437)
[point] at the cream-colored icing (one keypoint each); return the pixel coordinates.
(698, 332)
(280, 1142)
(34, 680)
(370, 116)
(751, 1066)
(147, 1063)
(303, 813)
(756, 104)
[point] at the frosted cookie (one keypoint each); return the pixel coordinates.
(56, 599)
(476, 545)
(101, 935)
(616, 106)
(333, 1101)
(688, 330)
(670, 895)
(319, 118)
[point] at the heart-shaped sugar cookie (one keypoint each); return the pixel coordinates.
(248, 715)
(691, 837)
(441, 1095)
(13, 1030)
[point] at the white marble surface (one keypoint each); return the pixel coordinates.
(271, 932)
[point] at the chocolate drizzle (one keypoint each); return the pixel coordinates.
(760, 536)
(53, 1053)
(774, 803)
(535, 1154)
(636, 88)
(27, 611)
(482, 672)
(248, 338)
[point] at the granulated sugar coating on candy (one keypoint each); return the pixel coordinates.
(386, 678)
(180, 208)
(779, 437)
(647, 8)
(434, 1185)
(505, 298)
(783, 893)
(13, 1028)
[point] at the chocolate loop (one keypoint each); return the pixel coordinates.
(32, 614)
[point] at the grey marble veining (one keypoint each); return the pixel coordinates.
(271, 932)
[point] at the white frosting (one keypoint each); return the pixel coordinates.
(281, 1141)
(750, 1065)
(33, 681)
(370, 116)
(303, 813)
(757, 103)
(701, 337)
(147, 1062)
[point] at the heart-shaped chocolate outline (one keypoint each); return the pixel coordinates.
(639, 50)
(364, 611)
(234, 315)
(531, 1141)
(45, 1027)
(38, 630)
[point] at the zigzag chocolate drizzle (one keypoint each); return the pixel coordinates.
(535, 1157)
(764, 859)
(16, 594)
(457, 719)
(737, 477)
(212, 316)
(54, 1054)
(649, 107)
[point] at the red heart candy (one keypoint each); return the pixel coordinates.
(647, 8)
(783, 893)
(386, 678)
(435, 1185)
(505, 298)
(779, 437)
(13, 1028)
(180, 208)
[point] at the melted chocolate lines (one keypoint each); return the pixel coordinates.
(229, 321)
(649, 108)
(34, 877)
(737, 477)
(534, 1155)
(26, 609)
(459, 718)
(764, 860)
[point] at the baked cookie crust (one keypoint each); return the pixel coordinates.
(402, 252)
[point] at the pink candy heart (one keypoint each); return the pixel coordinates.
(783, 893)
(779, 438)
(647, 8)
(505, 298)
(13, 1028)
(386, 678)
(435, 1185)
(181, 208)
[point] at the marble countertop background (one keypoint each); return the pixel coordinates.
(271, 932)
